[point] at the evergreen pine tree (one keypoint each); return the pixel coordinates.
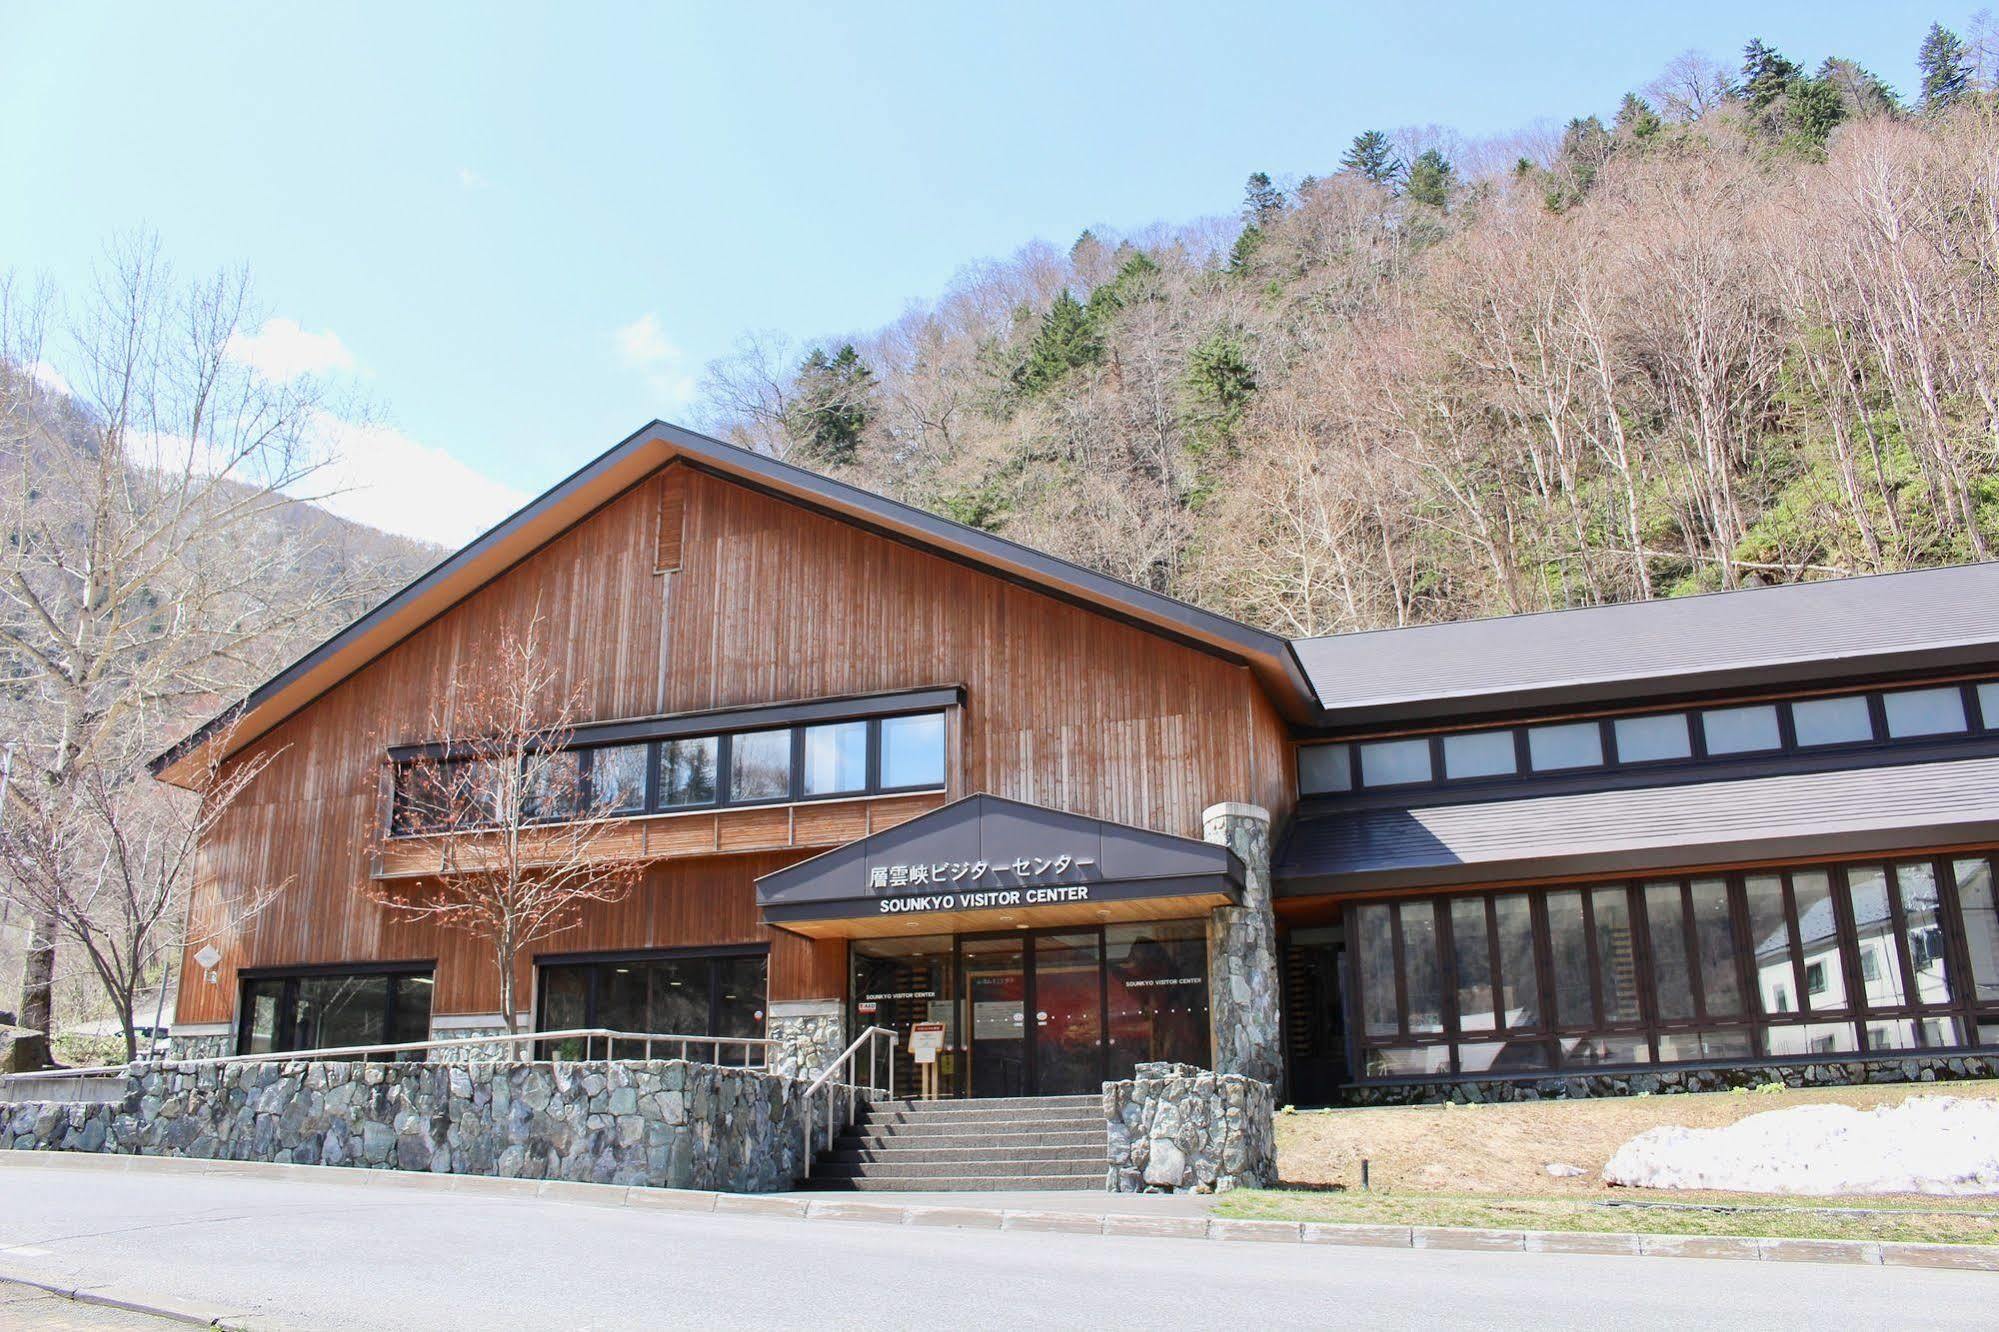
(1431, 178)
(1813, 108)
(1372, 157)
(1765, 74)
(1261, 200)
(1862, 92)
(1945, 64)
(830, 409)
(1219, 384)
(1065, 341)
(1636, 119)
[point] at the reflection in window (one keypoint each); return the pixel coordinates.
(1740, 730)
(687, 772)
(1377, 971)
(1818, 932)
(1832, 721)
(1988, 704)
(760, 765)
(1770, 942)
(1976, 903)
(1422, 977)
(1923, 712)
(1672, 968)
(1616, 954)
(1922, 925)
(1472, 944)
(1572, 745)
(618, 779)
(1714, 936)
(332, 1010)
(1157, 985)
(1324, 769)
(912, 750)
(1395, 762)
(1652, 739)
(1518, 987)
(549, 785)
(1479, 754)
(1874, 922)
(836, 758)
(1569, 947)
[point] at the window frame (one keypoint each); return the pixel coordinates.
(724, 798)
(1854, 1013)
(1980, 723)
(289, 978)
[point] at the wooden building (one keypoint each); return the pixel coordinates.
(882, 769)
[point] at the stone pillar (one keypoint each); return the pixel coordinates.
(1242, 953)
(811, 1034)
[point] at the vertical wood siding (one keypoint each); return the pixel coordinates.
(770, 602)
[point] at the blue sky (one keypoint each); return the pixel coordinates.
(522, 230)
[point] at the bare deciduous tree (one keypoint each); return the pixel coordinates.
(510, 846)
(111, 861)
(145, 571)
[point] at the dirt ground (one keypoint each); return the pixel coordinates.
(1506, 1149)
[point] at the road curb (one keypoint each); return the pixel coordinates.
(1228, 1230)
(117, 1297)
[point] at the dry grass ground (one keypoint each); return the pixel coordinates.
(1506, 1149)
(1486, 1166)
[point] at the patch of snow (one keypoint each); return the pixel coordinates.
(1563, 1170)
(1928, 1144)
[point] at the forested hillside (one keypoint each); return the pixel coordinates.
(1748, 329)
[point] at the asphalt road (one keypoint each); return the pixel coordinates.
(328, 1255)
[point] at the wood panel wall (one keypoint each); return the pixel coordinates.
(763, 601)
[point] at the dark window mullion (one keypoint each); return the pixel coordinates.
(1848, 931)
(1641, 958)
(1795, 932)
(1957, 948)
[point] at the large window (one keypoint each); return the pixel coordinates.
(670, 994)
(1929, 714)
(324, 1009)
(1900, 954)
(826, 761)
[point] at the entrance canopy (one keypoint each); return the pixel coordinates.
(987, 863)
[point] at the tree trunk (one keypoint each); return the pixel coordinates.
(38, 977)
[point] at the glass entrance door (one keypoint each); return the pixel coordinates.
(996, 989)
(1068, 995)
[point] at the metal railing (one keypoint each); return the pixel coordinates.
(831, 1087)
(645, 1042)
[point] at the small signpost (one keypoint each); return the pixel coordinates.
(925, 1040)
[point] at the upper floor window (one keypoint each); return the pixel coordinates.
(912, 751)
(857, 756)
(1571, 745)
(1745, 730)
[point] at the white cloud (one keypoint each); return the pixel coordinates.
(282, 350)
(471, 179)
(642, 345)
(390, 481)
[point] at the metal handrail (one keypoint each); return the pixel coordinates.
(870, 1037)
(511, 1040)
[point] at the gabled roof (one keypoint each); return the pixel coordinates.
(604, 477)
(1791, 633)
(961, 856)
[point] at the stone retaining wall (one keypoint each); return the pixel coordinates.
(666, 1123)
(1661, 1081)
(1180, 1129)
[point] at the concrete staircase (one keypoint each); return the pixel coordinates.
(1025, 1142)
